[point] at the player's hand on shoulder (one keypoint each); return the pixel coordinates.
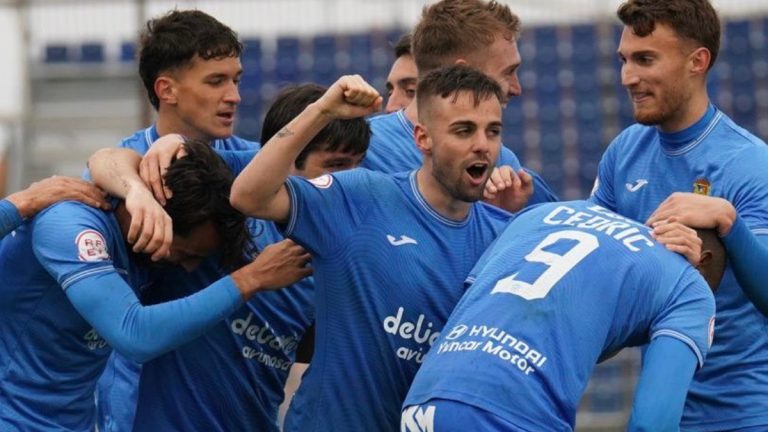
(151, 229)
(679, 238)
(696, 211)
(277, 266)
(44, 193)
(508, 189)
(156, 161)
(350, 97)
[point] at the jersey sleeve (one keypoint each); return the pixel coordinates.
(72, 242)
(602, 191)
(508, 158)
(327, 209)
(688, 314)
(10, 219)
(236, 160)
(749, 190)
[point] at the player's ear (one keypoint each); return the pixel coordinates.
(699, 60)
(422, 138)
(704, 260)
(165, 90)
(461, 61)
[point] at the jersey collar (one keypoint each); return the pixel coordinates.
(678, 143)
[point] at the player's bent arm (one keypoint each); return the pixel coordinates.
(259, 190)
(142, 333)
(10, 218)
(668, 368)
(116, 170)
(748, 256)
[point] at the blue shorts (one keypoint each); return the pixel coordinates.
(443, 415)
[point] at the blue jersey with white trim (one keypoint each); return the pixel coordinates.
(232, 377)
(388, 270)
(564, 286)
(118, 387)
(50, 357)
(392, 149)
(715, 157)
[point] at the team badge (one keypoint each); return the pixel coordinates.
(91, 246)
(701, 186)
(711, 331)
(323, 182)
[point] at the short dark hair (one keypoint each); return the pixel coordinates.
(351, 136)
(453, 28)
(201, 184)
(454, 79)
(692, 20)
(172, 41)
(403, 46)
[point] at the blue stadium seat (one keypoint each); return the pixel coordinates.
(56, 53)
(128, 52)
(324, 69)
(92, 52)
(360, 46)
(287, 61)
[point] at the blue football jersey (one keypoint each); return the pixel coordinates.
(388, 271)
(10, 219)
(118, 387)
(565, 285)
(50, 357)
(718, 158)
(392, 149)
(232, 377)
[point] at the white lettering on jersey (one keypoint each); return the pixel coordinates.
(418, 419)
(403, 240)
(91, 246)
(423, 335)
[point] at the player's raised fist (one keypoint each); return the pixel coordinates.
(350, 97)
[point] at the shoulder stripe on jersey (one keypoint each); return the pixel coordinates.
(90, 272)
(760, 231)
(404, 122)
(423, 203)
(710, 127)
(682, 338)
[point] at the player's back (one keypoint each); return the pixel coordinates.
(564, 285)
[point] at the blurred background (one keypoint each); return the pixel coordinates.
(69, 85)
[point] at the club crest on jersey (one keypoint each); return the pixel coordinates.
(701, 186)
(91, 246)
(323, 182)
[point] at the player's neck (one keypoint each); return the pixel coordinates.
(438, 197)
(168, 122)
(693, 112)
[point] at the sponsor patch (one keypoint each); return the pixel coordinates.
(91, 246)
(701, 186)
(323, 182)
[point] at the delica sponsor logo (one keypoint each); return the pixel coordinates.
(493, 341)
(263, 335)
(93, 341)
(419, 331)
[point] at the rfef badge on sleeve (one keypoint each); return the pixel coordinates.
(91, 246)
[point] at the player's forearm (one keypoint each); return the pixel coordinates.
(668, 367)
(116, 170)
(10, 218)
(142, 333)
(748, 257)
(255, 189)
